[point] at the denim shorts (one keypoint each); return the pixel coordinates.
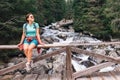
(32, 41)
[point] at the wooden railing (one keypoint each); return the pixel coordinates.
(69, 48)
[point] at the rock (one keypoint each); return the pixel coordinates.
(57, 26)
(63, 36)
(58, 63)
(7, 77)
(2, 66)
(18, 76)
(98, 51)
(48, 39)
(1, 77)
(53, 24)
(117, 46)
(50, 65)
(87, 63)
(41, 69)
(77, 66)
(71, 29)
(55, 40)
(17, 60)
(10, 64)
(35, 53)
(107, 69)
(118, 52)
(20, 55)
(113, 54)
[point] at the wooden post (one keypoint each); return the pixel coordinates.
(68, 64)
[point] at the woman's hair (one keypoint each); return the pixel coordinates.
(27, 16)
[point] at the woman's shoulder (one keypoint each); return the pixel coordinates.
(35, 23)
(25, 24)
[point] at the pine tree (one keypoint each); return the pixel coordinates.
(50, 10)
(89, 16)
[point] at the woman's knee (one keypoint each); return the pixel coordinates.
(26, 47)
(32, 46)
(29, 49)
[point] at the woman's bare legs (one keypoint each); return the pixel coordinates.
(31, 46)
(26, 50)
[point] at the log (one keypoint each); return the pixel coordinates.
(65, 22)
(68, 64)
(49, 54)
(91, 69)
(72, 44)
(111, 59)
(31, 77)
(12, 68)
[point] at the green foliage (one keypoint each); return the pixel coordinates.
(100, 17)
(69, 13)
(50, 10)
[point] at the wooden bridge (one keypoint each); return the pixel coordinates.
(89, 73)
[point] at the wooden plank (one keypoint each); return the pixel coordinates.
(31, 77)
(117, 68)
(80, 51)
(68, 64)
(12, 68)
(95, 77)
(43, 77)
(108, 76)
(91, 69)
(116, 74)
(61, 45)
(83, 78)
(56, 76)
(49, 54)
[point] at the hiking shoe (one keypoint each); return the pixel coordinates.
(31, 63)
(28, 67)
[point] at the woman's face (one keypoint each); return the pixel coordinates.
(30, 18)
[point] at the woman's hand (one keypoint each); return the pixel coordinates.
(42, 43)
(20, 46)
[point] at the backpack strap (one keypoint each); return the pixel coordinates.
(34, 25)
(26, 26)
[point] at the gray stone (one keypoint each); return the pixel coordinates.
(63, 36)
(10, 64)
(113, 54)
(118, 52)
(2, 66)
(7, 77)
(18, 76)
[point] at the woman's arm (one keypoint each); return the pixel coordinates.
(38, 36)
(22, 38)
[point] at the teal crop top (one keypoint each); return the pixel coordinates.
(30, 30)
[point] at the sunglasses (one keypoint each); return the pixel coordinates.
(31, 16)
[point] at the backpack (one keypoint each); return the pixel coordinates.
(27, 24)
